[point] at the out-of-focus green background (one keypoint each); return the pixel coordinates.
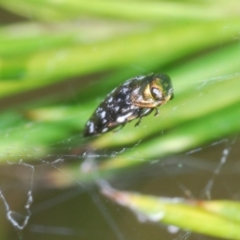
(59, 59)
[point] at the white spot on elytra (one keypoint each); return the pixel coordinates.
(116, 108)
(91, 127)
(127, 82)
(110, 99)
(136, 91)
(103, 114)
(140, 77)
(104, 129)
(123, 118)
(124, 90)
(99, 110)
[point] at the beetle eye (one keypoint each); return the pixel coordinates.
(156, 93)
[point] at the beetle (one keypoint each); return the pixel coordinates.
(135, 98)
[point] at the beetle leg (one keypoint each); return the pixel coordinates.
(141, 114)
(139, 121)
(157, 112)
(120, 127)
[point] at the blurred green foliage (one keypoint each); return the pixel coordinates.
(184, 40)
(198, 216)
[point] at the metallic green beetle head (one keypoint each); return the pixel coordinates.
(153, 90)
(161, 87)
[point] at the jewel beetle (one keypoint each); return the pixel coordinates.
(134, 99)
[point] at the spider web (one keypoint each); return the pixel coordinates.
(79, 212)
